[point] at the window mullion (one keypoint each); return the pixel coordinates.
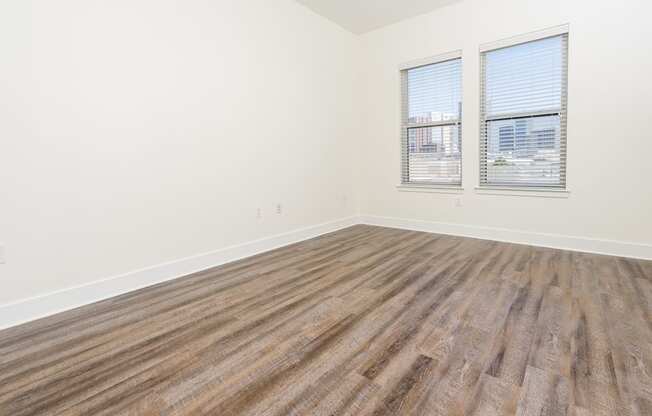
(516, 116)
(431, 124)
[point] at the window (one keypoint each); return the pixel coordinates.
(523, 114)
(431, 117)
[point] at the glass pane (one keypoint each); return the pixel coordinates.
(434, 92)
(524, 78)
(525, 151)
(434, 155)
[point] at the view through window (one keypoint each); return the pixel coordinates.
(523, 115)
(432, 103)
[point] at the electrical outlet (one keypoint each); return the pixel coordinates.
(2, 254)
(259, 213)
(279, 209)
(458, 202)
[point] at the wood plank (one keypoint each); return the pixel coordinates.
(544, 394)
(363, 321)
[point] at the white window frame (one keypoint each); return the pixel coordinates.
(405, 184)
(560, 190)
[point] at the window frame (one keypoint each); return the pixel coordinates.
(562, 113)
(425, 186)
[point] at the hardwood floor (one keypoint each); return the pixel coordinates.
(364, 321)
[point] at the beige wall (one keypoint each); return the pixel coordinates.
(609, 119)
(136, 132)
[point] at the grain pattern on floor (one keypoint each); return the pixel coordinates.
(364, 321)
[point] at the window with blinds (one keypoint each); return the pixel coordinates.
(431, 117)
(523, 114)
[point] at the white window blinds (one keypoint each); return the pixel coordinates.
(431, 117)
(523, 114)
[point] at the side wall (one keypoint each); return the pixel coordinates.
(139, 132)
(609, 125)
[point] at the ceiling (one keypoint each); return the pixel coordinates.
(360, 16)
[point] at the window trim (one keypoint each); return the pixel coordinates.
(523, 192)
(431, 188)
(562, 113)
(442, 57)
(525, 38)
(405, 184)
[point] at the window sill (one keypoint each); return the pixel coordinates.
(432, 189)
(524, 192)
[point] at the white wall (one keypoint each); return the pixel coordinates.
(609, 124)
(136, 132)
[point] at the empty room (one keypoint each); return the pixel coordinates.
(325, 207)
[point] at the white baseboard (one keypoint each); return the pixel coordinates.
(564, 242)
(36, 307)
(26, 310)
